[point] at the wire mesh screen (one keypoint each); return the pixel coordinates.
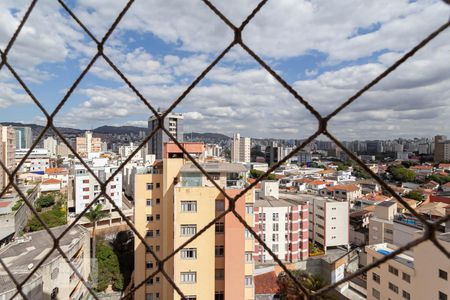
(322, 121)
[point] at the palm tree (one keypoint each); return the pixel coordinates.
(94, 215)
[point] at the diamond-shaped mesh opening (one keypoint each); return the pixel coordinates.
(56, 239)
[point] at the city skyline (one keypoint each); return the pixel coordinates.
(237, 95)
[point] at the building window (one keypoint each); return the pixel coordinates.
(443, 274)
(248, 281)
(158, 216)
(149, 233)
(388, 231)
(220, 205)
(275, 217)
(149, 296)
(149, 186)
(189, 206)
(248, 234)
(85, 197)
(149, 265)
(188, 277)
(150, 281)
(158, 200)
(220, 228)
(442, 296)
(219, 296)
(86, 181)
(188, 253)
(393, 270)
(393, 287)
(248, 256)
(275, 247)
(157, 279)
(188, 229)
(249, 209)
(86, 189)
(406, 277)
(191, 297)
(220, 274)
(220, 250)
(376, 277)
(157, 295)
(158, 185)
(157, 232)
(275, 227)
(149, 218)
(157, 248)
(375, 293)
(274, 237)
(406, 295)
(149, 202)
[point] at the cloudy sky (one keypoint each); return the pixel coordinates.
(326, 50)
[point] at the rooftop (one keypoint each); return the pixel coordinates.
(214, 167)
(21, 255)
(282, 201)
(344, 187)
(387, 203)
(385, 249)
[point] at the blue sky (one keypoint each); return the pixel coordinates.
(322, 50)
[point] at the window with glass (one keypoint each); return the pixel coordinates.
(188, 253)
(376, 293)
(248, 281)
(219, 274)
(188, 229)
(220, 205)
(188, 277)
(220, 228)
(189, 206)
(149, 202)
(406, 277)
(376, 277)
(275, 217)
(393, 270)
(393, 287)
(248, 256)
(220, 251)
(275, 226)
(406, 295)
(443, 274)
(249, 208)
(149, 186)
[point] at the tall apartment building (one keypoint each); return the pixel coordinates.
(240, 148)
(8, 152)
(88, 144)
(329, 222)
(422, 273)
(86, 188)
(50, 144)
(172, 202)
(24, 137)
(281, 220)
(173, 123)
(37, 161)
(441, 148)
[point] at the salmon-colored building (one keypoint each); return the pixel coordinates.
(173, 201)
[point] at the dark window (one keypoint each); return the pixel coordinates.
(443, 274)
(442, 296)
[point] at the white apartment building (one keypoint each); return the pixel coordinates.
(126, 150)
(422, 273)
(240, 148)
(7, 152)
(37, 161)
(213, 150)
(86, 188)
(281, 220)
(329, 222)
(50, 144)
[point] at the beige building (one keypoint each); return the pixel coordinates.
(381, 226)
(7, 152)
(422, 273)
(240, 148)
(88, 144)
(173, 201)
(441, 148)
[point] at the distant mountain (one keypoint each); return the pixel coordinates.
(119, 129)
(207, 137)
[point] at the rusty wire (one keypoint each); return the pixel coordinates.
(430, 227)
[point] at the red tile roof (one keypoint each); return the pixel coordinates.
(447, 184)
(440, 199)
(422, 167)
(51, 181)
(444, 166)
(344, 187)
(266, 283)
(55, 170)
(5, 203)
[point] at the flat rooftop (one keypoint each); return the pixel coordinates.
(386, 249)
(215, 167)
(270, 201)
(31, 248)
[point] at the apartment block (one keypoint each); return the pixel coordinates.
(329, 222)
(37, 161)
(174, 200)
(422, 273)
(347, 192)
(173, 122)
(281, 220)
(8, 152)
(24, 137)
(54, 279)
(240, 149)
(86, 187)
(50, 144)
(88, 144)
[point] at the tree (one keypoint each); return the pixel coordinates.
(402, 174)
(94, 215)
(416, 195)
(108, 268)
(256, 174)
(53, 218)
(289, 290)
(439, 178)
(45, 201)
